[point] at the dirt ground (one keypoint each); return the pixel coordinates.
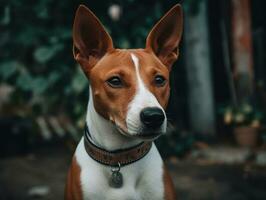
(42, 176)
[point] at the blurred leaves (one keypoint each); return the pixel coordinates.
(45, 53)
(79, 81)
(24, 82)
(244, 114)
(7, 69)
(37, 85)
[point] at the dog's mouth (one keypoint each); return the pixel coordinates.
(147, 136)
(122, 131)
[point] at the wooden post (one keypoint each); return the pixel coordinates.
(242, 49)
(198, 67)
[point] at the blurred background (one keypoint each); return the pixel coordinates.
(216, 145)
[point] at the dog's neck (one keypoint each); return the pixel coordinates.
(103, 132)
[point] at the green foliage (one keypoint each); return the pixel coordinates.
(8, 69)
(244, 114)
(45, 53)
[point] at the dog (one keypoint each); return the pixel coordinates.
(116, 158)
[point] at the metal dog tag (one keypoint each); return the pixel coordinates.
(116, 178)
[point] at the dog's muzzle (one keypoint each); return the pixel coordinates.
(152, 118)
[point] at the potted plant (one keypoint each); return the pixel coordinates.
(245, 121)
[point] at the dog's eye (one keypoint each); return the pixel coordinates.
(159, 81)
(115, 82)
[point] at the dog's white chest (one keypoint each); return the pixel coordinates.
(143, 180)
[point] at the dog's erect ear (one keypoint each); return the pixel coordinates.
(165, 36)
(91, 41)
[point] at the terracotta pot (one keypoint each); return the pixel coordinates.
(246, 136)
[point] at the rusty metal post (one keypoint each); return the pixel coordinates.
(242, 48)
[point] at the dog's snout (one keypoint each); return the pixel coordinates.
(152, 117)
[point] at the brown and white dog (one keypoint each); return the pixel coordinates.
(129, 90)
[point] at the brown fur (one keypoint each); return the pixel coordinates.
(169, 189)
(113, 103)
(73, 185)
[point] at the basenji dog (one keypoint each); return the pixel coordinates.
(116, 158)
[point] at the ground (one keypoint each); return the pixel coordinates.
(42, 176)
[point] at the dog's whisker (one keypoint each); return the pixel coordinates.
(133, 123)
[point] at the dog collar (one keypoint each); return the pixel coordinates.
(115, 158)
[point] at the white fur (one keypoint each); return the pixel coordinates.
(104, 133)
(143, 98)
(143, 180)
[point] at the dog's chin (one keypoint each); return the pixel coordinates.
(143, 135)
(123, 131)
(149, 136)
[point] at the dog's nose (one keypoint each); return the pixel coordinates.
(152, 117)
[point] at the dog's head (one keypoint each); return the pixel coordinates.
(130, 87)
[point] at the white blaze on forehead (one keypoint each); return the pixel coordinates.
(143, 98)
(136, 64)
